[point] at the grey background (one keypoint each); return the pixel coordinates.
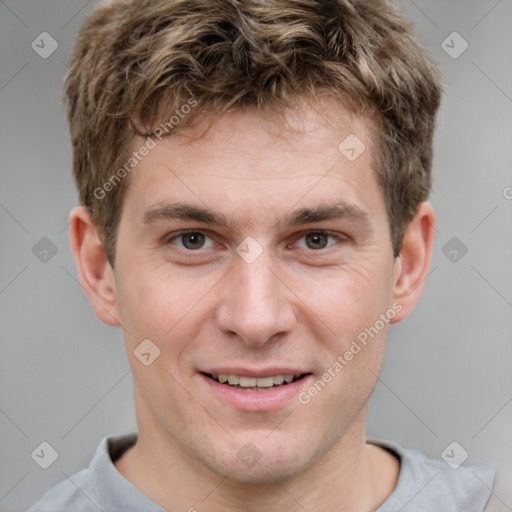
(64, 377)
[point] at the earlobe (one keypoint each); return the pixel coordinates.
(94, 270)
(413, 264)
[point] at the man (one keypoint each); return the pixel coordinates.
(253, 179)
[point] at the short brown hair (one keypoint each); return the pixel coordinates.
(135, 62)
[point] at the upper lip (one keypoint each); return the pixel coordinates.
(251, 372)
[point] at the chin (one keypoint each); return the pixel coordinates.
(268, 466)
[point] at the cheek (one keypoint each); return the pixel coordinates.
(348, 298)
(159, 304)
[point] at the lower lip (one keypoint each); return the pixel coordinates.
(268, 399)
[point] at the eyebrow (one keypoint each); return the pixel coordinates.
(182, 211)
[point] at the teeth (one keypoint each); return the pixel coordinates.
(265, 382)
(233, 379)
(253, 382)
(247, 382)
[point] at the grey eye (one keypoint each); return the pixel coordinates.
(317, 240)
(192, 240)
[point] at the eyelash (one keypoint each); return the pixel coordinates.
(337, 237)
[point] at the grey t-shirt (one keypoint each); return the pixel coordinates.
(424, 485)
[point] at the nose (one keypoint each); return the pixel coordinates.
(255, 303)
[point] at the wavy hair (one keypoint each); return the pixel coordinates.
(135, 62)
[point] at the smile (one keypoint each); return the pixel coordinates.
(254, 383)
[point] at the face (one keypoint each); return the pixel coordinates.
(255, 253)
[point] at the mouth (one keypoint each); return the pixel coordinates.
(255, 383)
(255, 390)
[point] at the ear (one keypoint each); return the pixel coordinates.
(96, 274)
(413, 263)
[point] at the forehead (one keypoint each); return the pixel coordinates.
(249, 164)
(310, 130)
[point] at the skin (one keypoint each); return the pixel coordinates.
(295, 305)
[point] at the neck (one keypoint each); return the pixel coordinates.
(353, 475)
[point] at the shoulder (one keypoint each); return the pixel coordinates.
(426, 484)
(99, 487)
(76, 493)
